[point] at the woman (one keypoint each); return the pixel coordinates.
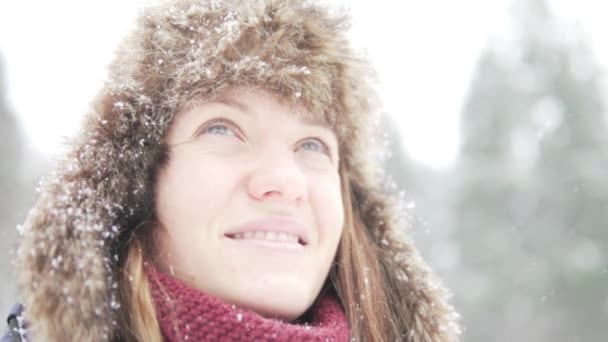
(223, 188)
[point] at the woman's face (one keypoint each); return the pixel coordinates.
(250, 204)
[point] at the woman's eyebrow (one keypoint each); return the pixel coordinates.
(240, 106)
(311, 120)
(316, 121)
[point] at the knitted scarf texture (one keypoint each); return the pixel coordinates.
(187, 314)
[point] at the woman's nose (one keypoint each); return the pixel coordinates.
(277, 176)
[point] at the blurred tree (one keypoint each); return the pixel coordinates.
(401, 169)
(422, 191)
(11, 147)
(11, 192)
(531, 202)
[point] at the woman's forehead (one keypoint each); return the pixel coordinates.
(246, 100)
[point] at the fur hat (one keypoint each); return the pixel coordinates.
(182, 52)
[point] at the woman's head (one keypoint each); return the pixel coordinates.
(248, 203)
(147, 178)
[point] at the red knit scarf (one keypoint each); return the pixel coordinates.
(192, 315)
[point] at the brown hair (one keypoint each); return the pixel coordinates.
(139, 315)
(356, 278)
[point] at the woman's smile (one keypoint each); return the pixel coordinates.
(280, 229)
(268, 245)
(271, 234)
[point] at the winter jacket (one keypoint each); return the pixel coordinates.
(179, 52)
(16, 325)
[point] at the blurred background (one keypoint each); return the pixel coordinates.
(496, 127)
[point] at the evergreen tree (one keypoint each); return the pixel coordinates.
(531, 206)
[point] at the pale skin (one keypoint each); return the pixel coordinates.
(241, 158)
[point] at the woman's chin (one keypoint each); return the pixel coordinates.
(282, 303)
(281, 312)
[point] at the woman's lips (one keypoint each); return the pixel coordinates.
(280, 228)
(275, 246)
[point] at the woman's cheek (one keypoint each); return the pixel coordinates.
(328, 205)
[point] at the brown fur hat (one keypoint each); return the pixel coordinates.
(180, 53)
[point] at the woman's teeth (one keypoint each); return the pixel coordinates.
(270, 236)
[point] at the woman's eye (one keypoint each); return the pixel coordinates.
(314, 145)
(220, 127)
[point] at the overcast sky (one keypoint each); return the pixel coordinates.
(55, 53)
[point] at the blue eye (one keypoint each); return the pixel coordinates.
(315, 145)
(219, 127)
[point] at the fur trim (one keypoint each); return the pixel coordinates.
(181, 53)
